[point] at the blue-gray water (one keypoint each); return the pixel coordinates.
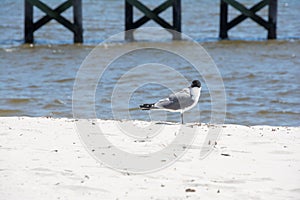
(261, 77)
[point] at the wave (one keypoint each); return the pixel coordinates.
(19, 100)
(65, 80)
(270, 112)
(8, 112)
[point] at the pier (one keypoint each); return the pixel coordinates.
(152, 15)
(30, 26)
(269, 25)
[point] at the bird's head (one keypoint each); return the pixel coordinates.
(196, 83)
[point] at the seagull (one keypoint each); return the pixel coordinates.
(181, 101)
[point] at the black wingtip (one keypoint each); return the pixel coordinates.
(146, 106)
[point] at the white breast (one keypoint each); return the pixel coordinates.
(195, 93)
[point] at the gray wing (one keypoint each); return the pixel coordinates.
(179, 100)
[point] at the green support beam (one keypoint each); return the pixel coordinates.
(60, 9)
(242, 17)
(156, 12)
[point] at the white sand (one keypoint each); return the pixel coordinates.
(43, 158)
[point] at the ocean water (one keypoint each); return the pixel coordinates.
(261, 77)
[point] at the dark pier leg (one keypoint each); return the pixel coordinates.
(181, 115)
(272, 19)
(128, 21)
(77, 16)
(223, 20)
(28, 22)
(177, 19)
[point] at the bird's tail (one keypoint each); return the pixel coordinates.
(147, 106)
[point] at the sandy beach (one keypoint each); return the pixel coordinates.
(43, 158)
(73, 81)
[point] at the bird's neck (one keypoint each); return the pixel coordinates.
(195, 92)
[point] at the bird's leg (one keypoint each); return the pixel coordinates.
(182, 118)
